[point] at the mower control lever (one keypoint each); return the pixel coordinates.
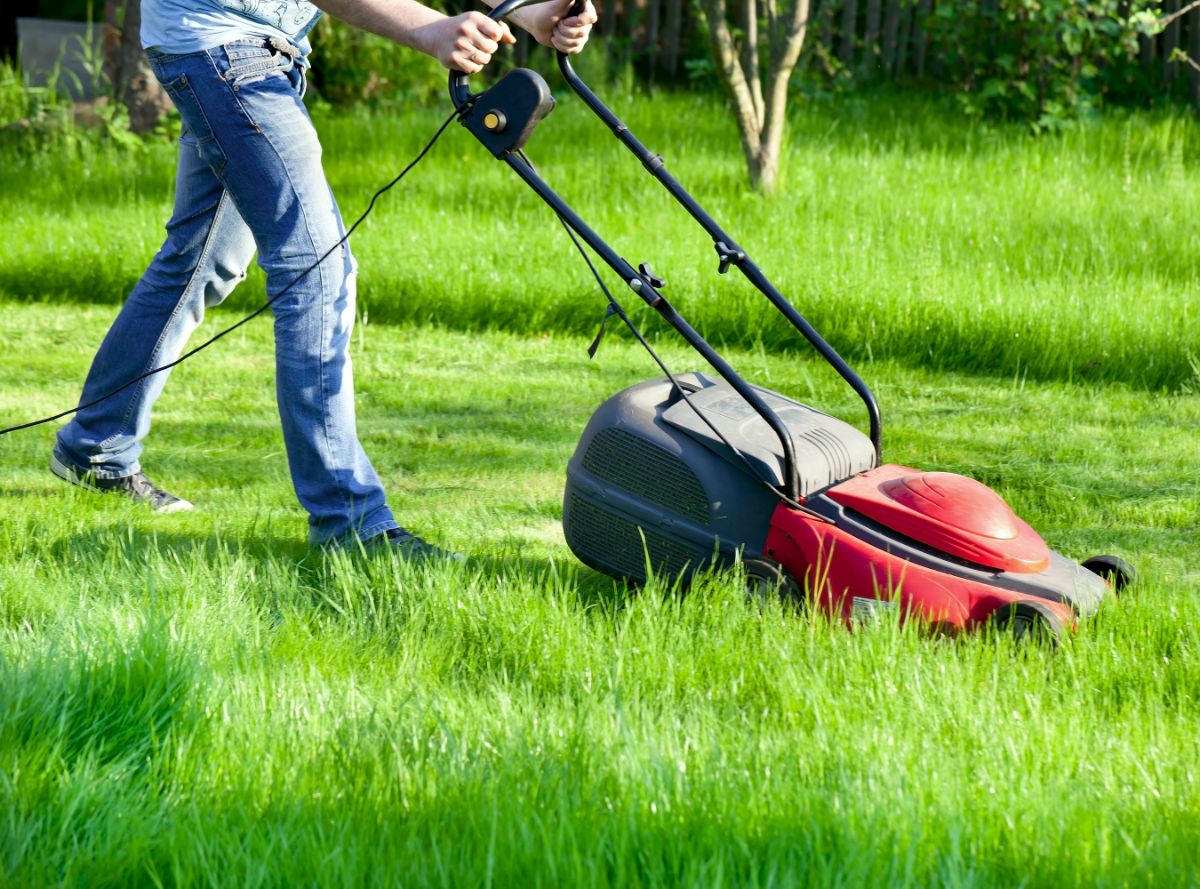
(728, 256)
(649, 277)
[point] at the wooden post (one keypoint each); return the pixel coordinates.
(849, 32)
(826, 23)
(1193, 21)
(1146, 50)
(672, 37)
(653, 17)
(921, 36)
(904, 42)
(1171, 42)
(891, 31)
(633, 22)
(1147, 43)
(608, 20)
(870, 59)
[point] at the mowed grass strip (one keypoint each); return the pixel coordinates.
(900, 230)
(198, 698)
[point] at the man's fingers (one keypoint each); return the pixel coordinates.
(478, 44)
(571, 47)
(477, 38)
(469, 61)
(587, 17)
(571, 34)
(492, 29)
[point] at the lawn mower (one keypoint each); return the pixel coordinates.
(702, 470)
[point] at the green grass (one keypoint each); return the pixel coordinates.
(901, 232)
(199, 699)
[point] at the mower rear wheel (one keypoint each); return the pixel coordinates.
(767, 579)
(1027, 622)
(1114, 569)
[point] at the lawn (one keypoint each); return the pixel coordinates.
(200, 699)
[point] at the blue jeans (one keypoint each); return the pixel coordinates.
(249, 177)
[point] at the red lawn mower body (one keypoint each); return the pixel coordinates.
(671, 485)
(955, 515)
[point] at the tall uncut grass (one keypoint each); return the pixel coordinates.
(199, 699)
(900, 231)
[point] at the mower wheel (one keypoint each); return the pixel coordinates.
(767, 579)
(1114, 569)
(1027, 622)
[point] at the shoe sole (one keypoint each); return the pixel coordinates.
(71, 477)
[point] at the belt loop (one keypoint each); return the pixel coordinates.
(280, 45)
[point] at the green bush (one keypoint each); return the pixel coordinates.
(1044, 61)
(351, 67)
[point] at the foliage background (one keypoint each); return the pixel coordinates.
(1043, 62)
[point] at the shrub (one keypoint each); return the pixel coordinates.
(352, 67)
(1044, 61)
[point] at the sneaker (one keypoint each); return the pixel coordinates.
(412, 548)
(136, 487)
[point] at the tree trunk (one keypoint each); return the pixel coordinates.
(760, 125)
(750, 57)
(785, 53)
(128, 69)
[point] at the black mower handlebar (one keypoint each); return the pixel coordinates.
(460, 90)
(531, 95)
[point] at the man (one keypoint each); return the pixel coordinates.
(250, 177)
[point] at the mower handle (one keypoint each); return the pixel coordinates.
(460, 91)
(727, 248)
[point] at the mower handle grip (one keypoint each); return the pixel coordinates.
(460, 90)
(564, 60)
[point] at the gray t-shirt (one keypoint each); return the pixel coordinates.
(182, 26)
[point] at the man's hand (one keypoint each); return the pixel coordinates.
(464, 42)
(468, 41)
(546, 22)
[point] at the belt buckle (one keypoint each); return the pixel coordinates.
(280, 45)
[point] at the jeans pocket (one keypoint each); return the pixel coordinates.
(252, 62)
(196, 121)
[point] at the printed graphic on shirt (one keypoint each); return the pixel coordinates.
(288, 16)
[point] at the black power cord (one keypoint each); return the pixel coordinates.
(421, 156)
